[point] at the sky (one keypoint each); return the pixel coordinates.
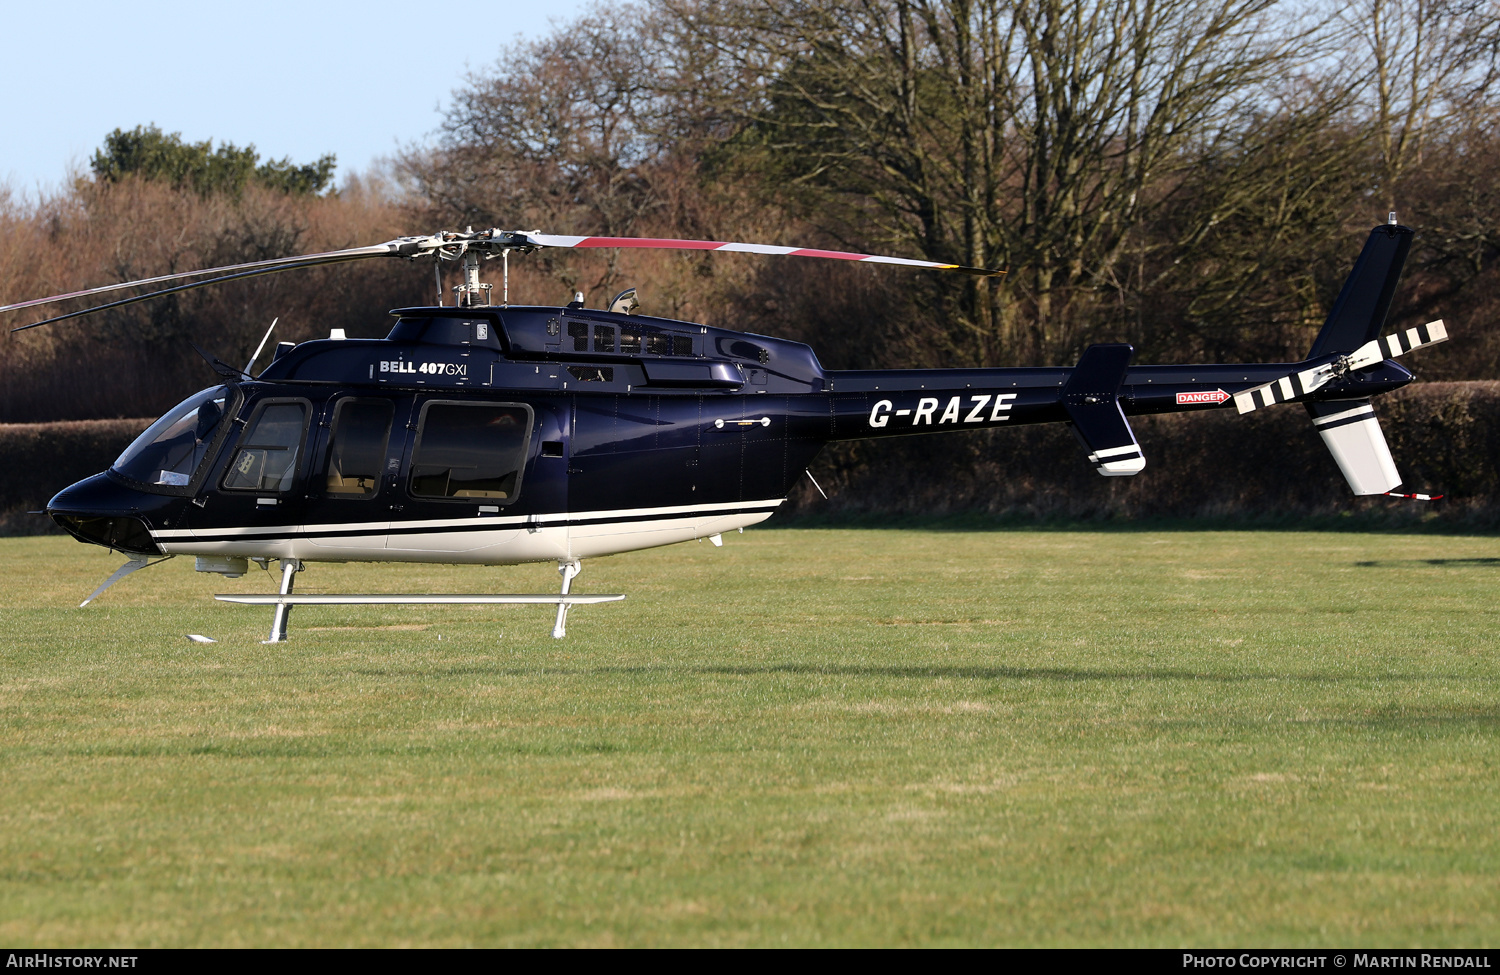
(358, 79)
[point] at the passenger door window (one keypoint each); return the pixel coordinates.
(356, 453)
(470, 450)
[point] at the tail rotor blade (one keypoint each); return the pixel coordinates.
(1398, 343)
(1284, 390)
(1305, 382)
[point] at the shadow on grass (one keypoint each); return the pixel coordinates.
(1406, 563)
(323, 749)
(586, 742)
(963, 672)
(1060, 674)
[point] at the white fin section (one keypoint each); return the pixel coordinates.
(1118, 461)
(1358, 446)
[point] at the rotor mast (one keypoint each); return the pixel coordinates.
(473, 292)
(473, 248)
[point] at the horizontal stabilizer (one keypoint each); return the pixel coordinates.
(1308, 381)
(1092, 401)
(1358, 446)
(1118, 461)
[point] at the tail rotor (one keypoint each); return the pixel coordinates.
(1349, 343)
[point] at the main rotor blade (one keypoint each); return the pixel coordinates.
(325, 259)
(450, 246)
(672, 243)
(303, 260)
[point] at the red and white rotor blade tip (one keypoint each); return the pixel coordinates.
(1415, 497)
(1308, 381)
(673, 243)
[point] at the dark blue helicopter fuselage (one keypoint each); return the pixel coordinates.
(634, 432)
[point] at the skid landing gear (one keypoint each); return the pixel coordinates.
(569, 572)
(289, 570)
(286, 599)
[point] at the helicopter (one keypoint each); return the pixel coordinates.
(486, 433)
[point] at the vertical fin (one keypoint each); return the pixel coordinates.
(1365, 299)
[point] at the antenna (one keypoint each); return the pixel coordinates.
(264, 339)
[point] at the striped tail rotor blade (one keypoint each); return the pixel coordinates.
(1308, 381)
(673, 243)
(1398, 343)
(1283, 390)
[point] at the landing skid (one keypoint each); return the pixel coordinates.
(286, 599)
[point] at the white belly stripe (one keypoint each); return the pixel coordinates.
(397, 527)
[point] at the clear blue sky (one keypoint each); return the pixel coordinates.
(301, 79)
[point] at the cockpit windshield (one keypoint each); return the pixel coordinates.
(169, 452)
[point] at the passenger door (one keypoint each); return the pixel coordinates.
(463, 471)
(352, 487)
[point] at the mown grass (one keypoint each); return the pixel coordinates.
(808, 737)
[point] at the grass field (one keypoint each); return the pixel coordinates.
(842, 737)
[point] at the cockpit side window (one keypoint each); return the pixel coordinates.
(267, 456)
(356, 453)
(167, 456)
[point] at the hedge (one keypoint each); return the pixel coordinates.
(39, 459)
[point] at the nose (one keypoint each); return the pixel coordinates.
(101, 512)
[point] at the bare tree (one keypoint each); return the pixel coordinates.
(554, 136)
(1429, 63)
(1035, 135)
